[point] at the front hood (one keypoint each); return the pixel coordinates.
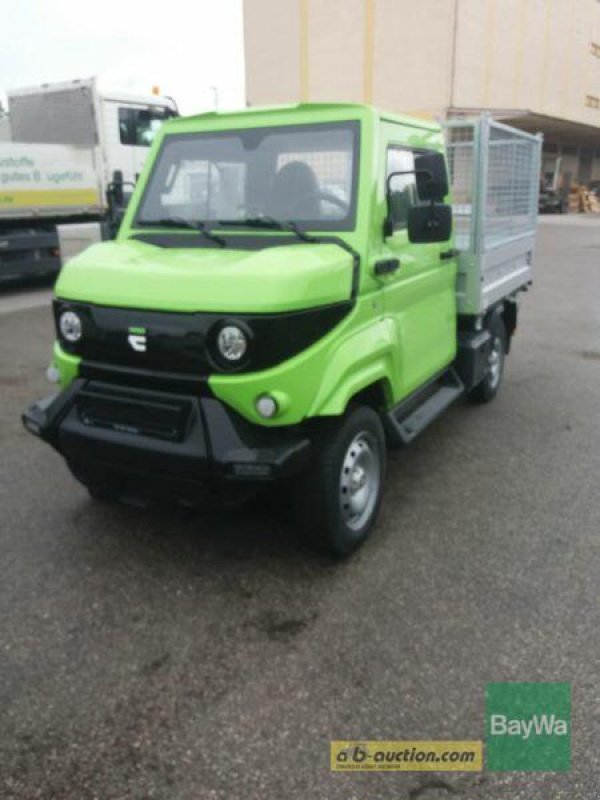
(134, 274)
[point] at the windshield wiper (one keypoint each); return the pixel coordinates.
(269, 223)
(181, 222)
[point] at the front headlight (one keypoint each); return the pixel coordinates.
(232, 343)
(70, 326)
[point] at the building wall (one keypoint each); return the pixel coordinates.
(423, 56)
(339, 57)
(272, 51)
(412, 46)
(539, 55)
(349, 50)
(4, 129)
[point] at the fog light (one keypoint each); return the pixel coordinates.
(52, 374)
(266, 406)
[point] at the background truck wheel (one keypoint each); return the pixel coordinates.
(101, 494)
(337, 502)
(101, 489)
(488, 388)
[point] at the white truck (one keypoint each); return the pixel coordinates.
(70, 162)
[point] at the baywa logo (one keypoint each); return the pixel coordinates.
(137, 339)
(528, 727)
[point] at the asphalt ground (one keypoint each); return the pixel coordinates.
(156, 655)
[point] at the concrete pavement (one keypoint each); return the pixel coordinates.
(214, 656)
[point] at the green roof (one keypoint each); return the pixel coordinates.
(354, 110)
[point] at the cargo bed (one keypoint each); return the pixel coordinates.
(494, 176)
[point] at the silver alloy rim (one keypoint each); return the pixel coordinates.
(495, 362)
(359, 481)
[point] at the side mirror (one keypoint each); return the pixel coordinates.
(430, 185)
(116, 188)
(431, 176)
(116, 199)
(431, 223)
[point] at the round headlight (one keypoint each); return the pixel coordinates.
(232, 343)
(70, 326)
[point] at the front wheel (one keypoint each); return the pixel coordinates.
(494, 370)
(338, 500)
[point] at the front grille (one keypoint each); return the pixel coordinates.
(154, 414)
(8, 257)
(182, 343)
(133, 378)
(173, 342)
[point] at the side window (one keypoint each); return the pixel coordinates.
(403, 188)
(138, 126)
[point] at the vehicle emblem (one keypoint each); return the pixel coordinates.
(137, 339)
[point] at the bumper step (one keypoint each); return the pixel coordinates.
(410, 417)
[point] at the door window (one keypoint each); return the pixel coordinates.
(403, 188)
(138, 126)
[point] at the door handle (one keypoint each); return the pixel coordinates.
(386, 265)
(448, 254)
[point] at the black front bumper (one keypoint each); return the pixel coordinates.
(150, 443)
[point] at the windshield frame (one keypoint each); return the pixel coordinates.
(348, 223)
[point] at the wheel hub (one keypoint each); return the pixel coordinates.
(495, 361)
(359, 481)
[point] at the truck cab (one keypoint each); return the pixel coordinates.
(119, 127)
(283, 302)
(69, 162)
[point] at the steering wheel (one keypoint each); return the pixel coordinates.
(326, 197)
(329, 197)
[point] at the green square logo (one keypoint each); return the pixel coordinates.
(528, 727)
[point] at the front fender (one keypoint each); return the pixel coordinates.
(321, 380)
(360, 361)
(66, 364)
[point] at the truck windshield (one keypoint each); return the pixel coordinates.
(305, 174)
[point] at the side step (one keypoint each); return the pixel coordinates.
(406, 421)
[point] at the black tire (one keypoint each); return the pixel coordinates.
(490, 385)
(100, 493)
(103, 488)
(348, 462)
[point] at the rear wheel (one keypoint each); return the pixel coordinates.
(101, 493)
(494, 370)
(103, 488)
(338, 500)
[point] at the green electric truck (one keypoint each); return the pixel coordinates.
(292, 290)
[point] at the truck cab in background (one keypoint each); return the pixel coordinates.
(42, 221)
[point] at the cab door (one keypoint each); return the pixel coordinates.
(419, 295)
(129, 131)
